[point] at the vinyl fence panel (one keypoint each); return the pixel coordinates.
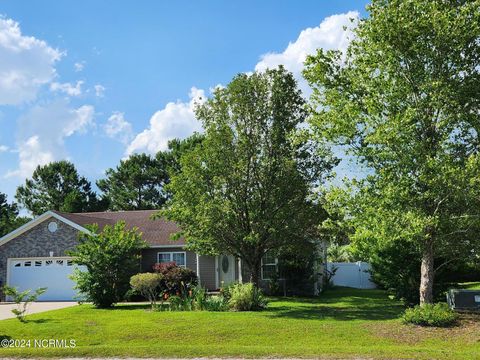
(355, 275)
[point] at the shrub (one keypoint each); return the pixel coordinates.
(226, 291)
(215, 303)
(439, 315)
(176, 280)
(111, 257)
(246, 297)
(22, 299)
(181, 303)
(147, 284)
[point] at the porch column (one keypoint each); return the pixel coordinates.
(240, 280)
(198, 268)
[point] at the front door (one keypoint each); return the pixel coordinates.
(226, 269)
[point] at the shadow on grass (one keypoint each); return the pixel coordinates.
(339, 304)
(5, 337)
(39, 321)
(142, 306)
(126, 307)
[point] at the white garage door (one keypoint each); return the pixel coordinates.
(52, 273)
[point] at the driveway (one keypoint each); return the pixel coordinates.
(33, 308)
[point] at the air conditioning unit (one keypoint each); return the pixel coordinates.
(464, 300)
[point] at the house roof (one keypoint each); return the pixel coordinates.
(154, 232)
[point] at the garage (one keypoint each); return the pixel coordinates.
(52, 273)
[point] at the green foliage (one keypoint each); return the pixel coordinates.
(137, 183)
(57, 186)
(245, 189)
(181, 303)
(9, 219)
(215, 303)
(111, 257)
(178, 148)
(403, 102)
(396, 268)
(22, 299)
(439, 315)
(274, 284)
(197, 299)
(148, 285)
(340, 253)
(247, 297)
(226, 291)
(175, 279)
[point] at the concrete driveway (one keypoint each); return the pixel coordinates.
(33, 308)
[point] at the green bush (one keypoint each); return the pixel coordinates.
(439, 315)
(148, 285)
(215, 303)
(197, 299)
(176, 281)
(111, 256)
(226, 291)
(246, 297)
(183, 303)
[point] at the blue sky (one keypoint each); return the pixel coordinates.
(94, 81)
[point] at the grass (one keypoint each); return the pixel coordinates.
(341, 323)
(470, 285)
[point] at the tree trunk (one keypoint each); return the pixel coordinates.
(427, 274)
(255, 274)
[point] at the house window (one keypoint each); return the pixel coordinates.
(178, 258)
(269, 266)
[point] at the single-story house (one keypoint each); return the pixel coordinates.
(34, 255)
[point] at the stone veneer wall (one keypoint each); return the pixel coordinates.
(38, 242)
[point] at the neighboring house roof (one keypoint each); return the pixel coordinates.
(154, 232)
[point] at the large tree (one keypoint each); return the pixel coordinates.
(405, 102)
(245, 189)
(177, 148)
(58, 186)
(137, 183)
(9, 219)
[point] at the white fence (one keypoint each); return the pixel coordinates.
(355, 275)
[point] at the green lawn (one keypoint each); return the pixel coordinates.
(342, 323)
(470, 285)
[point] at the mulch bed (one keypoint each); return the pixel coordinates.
(467, 330)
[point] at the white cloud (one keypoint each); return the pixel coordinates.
(42, 132)
(99, 90)
(329, 35)
(118, 128)
(79, 66)
(68, 88)
(176, 120)
(3, 148)
(26, 64)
